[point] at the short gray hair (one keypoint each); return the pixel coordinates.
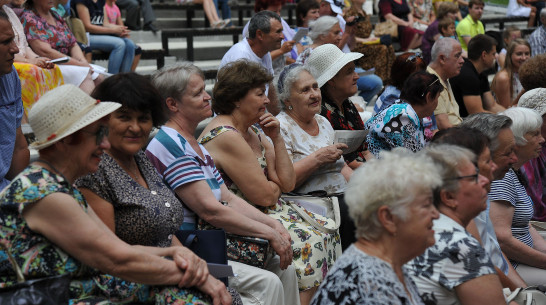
(171, 81)
(524, 120)
(261, 21)
(448, 158)
(321, 26)
(286, 79)
(490, 124)
(394, 181)
(442, 46)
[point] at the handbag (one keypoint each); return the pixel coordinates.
(532, 295)
(387, 27)
(45, 291)
(248, 250)
(327, 206)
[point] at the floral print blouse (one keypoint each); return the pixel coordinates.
(58, 36)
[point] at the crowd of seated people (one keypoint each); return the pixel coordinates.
(106, 197)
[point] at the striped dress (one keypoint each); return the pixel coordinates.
(511, 190)
(179, 164)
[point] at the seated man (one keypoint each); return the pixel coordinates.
(537, 39)
(471, 87)
(471, 25)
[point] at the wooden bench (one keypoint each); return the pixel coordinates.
(502, 19)
(157, 54)
(189, 34)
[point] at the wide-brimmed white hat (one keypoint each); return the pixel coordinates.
(534, 99)
(63, 111)
(336, 6)
(326, 60)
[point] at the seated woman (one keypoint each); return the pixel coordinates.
(399, 12)
(318, 164)
(508, 35)
(36, 74)
(506, 86)
(188, 169)
(400, 124)
(456, 269)
(111, 39)
(326, 30)
(259, 170)
(49, 36)
(375, 54)
(512, 208)
(49, 217)
(393, 223)
(337, 80)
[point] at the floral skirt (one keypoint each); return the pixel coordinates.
(107, 289)
(315, 252)
(36, 81)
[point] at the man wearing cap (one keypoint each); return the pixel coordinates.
(446, 62)
(471, 87)
(535, 169)
(264, 35)
(13, 145)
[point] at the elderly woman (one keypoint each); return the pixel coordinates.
(259, 170)
(337, 80)
(512, 208)
(49, 36)
(318, 164)
(393, 223)
(326, 30)
(189, 170)
(401, 123)
(45, 215)
(456, 269)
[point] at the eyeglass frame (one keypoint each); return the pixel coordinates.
(475, 176)
(99, 134)
(426, 89)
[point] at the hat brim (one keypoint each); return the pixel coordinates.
(101, 110)
(338, 65)
(336, 9)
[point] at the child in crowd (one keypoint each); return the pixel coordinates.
(446, 28)
(112, 15)
(512, 32)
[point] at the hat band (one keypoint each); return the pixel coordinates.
(69, 123)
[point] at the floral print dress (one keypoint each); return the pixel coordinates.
(40, 258)
(314, 251)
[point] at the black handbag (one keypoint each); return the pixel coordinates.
(45, 291)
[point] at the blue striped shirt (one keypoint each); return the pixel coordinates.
(179, 164)
(511, 190)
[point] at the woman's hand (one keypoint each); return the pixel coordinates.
(330, 154)
(216, 290)
(270, 125)
(195, 269)
(42, 62)
(287, 46)
(283, 247)
(118, 30)
(282, 230)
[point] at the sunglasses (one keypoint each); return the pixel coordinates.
(99, 134)
(474, 177)
(426, 89)
(413, 58)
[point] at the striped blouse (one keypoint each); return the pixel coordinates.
(511, 190)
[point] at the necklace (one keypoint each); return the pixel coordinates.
(54, 169)
(132, 171)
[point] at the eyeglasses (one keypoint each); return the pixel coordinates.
(413, 57)
(99, 134)
(475, 176)
(426, 89)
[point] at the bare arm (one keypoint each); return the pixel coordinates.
(502, 213)
(474, 104)
(83, 14)
(466, 38)
(502, 89)
(21, 155)
(442, 121)
(472, 292)
(103, 208)
(397, 20)
(348, 34)
(490, 104)
(43, 48)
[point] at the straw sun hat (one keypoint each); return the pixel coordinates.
(534, 99)
(63, 111)
(326, 60)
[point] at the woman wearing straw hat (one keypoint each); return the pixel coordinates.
(336, 77)
(51, 230)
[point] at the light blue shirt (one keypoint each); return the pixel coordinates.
(489, 239)
(11, 113)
